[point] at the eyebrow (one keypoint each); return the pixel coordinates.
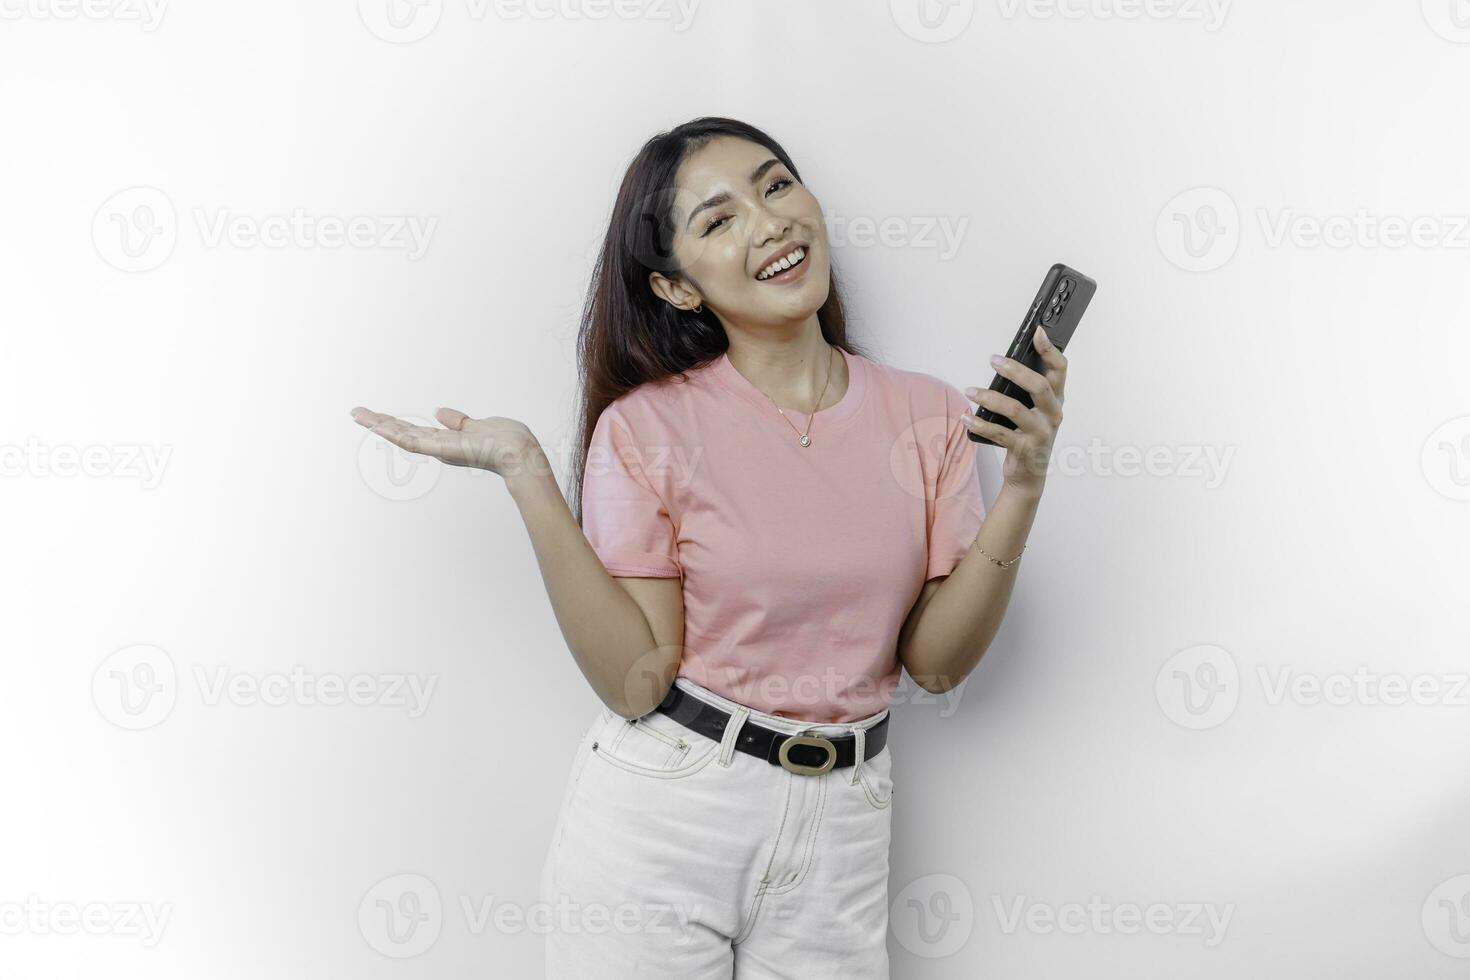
(721, 198)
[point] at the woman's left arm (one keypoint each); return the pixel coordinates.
(956, 617)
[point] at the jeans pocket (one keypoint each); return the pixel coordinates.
(876, 776)
(653, 745)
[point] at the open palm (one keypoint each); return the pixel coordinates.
(497, 444)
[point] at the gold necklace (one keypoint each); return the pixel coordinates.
(806, 440)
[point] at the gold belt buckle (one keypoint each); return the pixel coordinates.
(784, 754)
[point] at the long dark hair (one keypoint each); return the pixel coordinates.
(629, 335)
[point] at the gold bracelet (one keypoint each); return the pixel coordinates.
(1002, 564)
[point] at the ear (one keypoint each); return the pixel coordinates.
(674, 292)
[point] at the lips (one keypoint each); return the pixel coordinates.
(785, 252)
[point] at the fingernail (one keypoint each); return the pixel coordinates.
(972, 392)
(996, 360)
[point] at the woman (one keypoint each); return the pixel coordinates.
(770, 525)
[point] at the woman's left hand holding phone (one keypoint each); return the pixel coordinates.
(1029, 444)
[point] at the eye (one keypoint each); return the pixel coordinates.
(781, 182)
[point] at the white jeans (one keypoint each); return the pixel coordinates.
(676, 857)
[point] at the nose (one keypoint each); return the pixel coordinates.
(769, 226)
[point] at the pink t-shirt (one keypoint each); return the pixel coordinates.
(799, 565)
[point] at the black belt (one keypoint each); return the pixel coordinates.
(817, 753)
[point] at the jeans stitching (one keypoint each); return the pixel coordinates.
(559, 835)
(765, 885)
(874, 800)
(810, 857)
(649, 730)
(689, 768)
(677, 747)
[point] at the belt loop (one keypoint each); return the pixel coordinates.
(859, 746)
(732, 732)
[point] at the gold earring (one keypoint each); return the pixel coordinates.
(698, 309)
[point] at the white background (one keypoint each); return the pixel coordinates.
(1126, 740)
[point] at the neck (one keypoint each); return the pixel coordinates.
(793, 368)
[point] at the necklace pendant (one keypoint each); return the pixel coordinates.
(806, 440)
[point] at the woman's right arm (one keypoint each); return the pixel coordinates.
(626, 634)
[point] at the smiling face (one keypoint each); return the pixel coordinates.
(737, 208)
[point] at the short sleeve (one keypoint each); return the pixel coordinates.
(623, 517)
(958, 508)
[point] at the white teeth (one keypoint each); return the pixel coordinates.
(781, 265)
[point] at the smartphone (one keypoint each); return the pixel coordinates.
(1059, 305)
